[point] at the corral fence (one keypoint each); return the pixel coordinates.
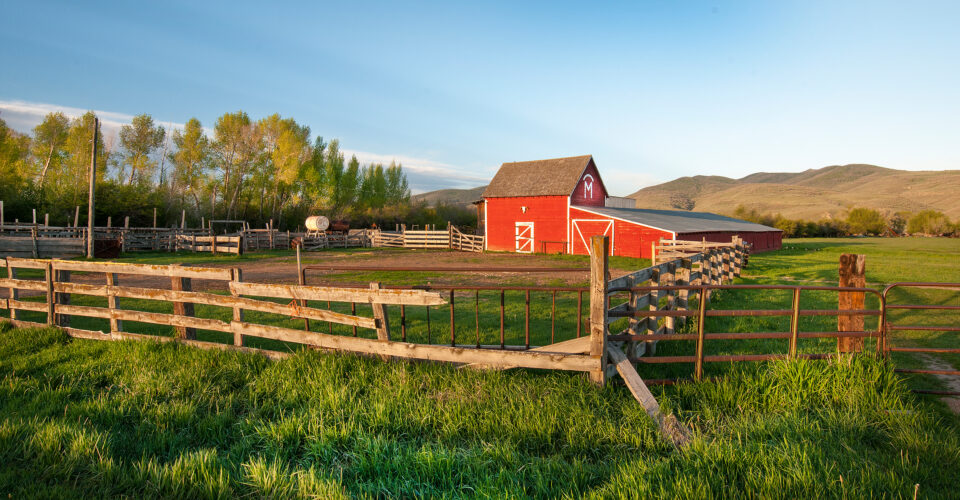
(602, 329)
(451, 238)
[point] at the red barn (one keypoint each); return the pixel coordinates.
(557, 205)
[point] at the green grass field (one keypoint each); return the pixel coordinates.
(93, 419)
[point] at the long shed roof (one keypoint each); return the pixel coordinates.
(679, 221)
(555, 177)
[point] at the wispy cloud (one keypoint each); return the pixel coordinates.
(424, 174)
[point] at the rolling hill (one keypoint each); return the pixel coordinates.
(461, 197)
(816, 193)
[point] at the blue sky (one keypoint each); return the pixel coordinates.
(653, 89)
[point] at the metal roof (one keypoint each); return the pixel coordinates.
(679, 221)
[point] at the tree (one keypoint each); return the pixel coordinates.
(138, 141)
(49, 139)
(14, 156)
(865, 221)
(238, 148)
(70, 189)
(929, 222)
(191, 161)
(398, 191)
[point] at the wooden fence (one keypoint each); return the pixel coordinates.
(667, 250)
(57, 289)
(451, 238)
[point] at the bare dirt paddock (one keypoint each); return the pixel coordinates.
(282, 268)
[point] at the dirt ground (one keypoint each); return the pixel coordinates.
(284, 270)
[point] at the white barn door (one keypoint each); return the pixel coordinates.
(524, 231)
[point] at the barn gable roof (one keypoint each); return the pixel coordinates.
(555, 177)
(679, 221)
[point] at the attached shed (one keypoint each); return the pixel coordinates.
(557, 205)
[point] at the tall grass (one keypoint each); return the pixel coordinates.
(90, 419)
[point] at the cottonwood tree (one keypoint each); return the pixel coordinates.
(138, 142)
(49, 140)
(191, 161)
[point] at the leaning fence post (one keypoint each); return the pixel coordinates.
(181, 284)
(701, 328)
(599, 248)
(380, 315)
(794, 324)
(852, 274)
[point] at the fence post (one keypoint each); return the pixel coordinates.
(62, 298)
(449, 235)
(237, 311)
(381, 316)
(213, 243)
(599, 248)
(671, 280)
(701, 328)
(852, 274)
(683, 295)
(653, 301)
(48, 278)
(33, 238)
(14, 292)
(181, 284)
(794, 324)
(113, 302)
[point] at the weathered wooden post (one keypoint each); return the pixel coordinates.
(33, 238)
(51, 301)
(46, 220)
(653, 303)
(237, 311)
(599, 249)
(683, 295)
(653, 253)
(181, 284)
(62, 298)
(14, 293)
(113, 302)
(1, 215)
(154, 216)
(852, 274)
(380, 315)
(34, 216)
(670, 279)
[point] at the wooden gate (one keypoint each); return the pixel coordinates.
(584, 229)
(524, 237)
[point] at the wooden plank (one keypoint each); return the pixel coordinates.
(634, 277)
(14, 305)
(394, 297)
(36, 285)
(852, 274)
(669, 426)
(209, 273)
(146, 317)
(524, 359)
(599, 304)
(292, 309)
(580, 345)
(119, 336)
(27, 263)
(13, 293)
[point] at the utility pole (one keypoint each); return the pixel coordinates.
(93, 188)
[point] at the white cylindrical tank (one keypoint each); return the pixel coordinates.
(317, 223)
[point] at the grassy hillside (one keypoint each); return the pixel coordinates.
(815, 193)
(450, 196)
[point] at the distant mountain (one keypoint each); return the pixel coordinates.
(812, 194)
(462, 197)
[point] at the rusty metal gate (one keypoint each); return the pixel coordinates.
(946, 323)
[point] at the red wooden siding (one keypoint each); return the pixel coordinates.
(548, 214)
(590, 190)
(629, 239)
(761, 241)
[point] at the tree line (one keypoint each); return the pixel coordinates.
(858, 221)
(253, 170)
